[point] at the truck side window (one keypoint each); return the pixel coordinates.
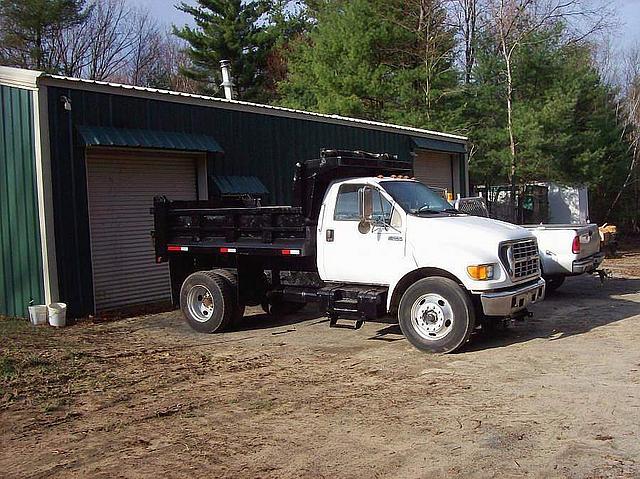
(347, 203)
(381, 207)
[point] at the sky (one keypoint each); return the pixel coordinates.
(165, 10)
(627, 35)
(629, 13)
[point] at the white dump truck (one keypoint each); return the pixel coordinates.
(382, 244)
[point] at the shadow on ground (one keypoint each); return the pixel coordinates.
(266, 321)
(580, 306)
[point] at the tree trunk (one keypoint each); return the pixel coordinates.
(469, 14)
(512, 141)
(38, 50)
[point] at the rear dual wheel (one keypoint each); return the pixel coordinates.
(208, 300)
(436, 315)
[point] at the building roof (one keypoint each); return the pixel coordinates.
(33, 79)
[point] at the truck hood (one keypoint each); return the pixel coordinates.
(465, 227)
(452, 242)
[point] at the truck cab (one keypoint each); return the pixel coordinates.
(383, 245)
(390, 231)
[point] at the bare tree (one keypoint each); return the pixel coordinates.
(467, 15)
(70, 49)
(113, 39)
(629, 113)
(122, 44)
(173, 58)
(514, 23)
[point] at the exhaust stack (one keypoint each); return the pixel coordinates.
(227, 80)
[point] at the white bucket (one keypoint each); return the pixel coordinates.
(57, 314)
(38, 314)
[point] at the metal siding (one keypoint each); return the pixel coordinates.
(254, 144)
(121, 187)
(70, 212)
(21, 279)
(238, 185)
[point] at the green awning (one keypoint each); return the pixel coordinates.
(438, 145)
(239, 185)
(165, 140)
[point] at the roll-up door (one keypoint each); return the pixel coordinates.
(121, 187)
(434, 169)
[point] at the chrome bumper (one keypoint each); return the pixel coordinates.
(589, 264)
(510, 301)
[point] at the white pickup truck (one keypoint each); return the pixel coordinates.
(383, 245)
(567, 250)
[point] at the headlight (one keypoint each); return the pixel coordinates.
(481, 272)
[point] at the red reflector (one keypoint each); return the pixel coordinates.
(575, 247)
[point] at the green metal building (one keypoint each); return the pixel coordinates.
(81, 161)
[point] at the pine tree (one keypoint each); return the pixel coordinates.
(228, 30)
(375, 59)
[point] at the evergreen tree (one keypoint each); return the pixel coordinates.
(375, 59)
(27, 28)
(232, 30)
(340, 67)
(564, 117)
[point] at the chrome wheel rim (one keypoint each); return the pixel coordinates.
(432, 316)
(200, 303)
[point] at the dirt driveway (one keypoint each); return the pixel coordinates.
(558, 396)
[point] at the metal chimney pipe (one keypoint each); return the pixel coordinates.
(227, 80)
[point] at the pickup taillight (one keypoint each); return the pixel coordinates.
(575, 247)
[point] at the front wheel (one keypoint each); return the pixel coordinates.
(436, 315)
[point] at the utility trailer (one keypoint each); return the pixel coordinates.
(362, 225)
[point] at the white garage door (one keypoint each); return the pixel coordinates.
(122, 184)
(434, 169)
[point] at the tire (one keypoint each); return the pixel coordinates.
(553, 282)
(436, 315)
(207, 301)
(232, 278)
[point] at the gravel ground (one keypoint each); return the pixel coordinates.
(556, 396)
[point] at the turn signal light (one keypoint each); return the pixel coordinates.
(480, 272)
(575, 247)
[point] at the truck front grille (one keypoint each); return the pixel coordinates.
(522, 258)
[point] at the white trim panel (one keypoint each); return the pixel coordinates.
(45, 196)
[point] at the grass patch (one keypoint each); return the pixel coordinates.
(8, 368)
(12, 325)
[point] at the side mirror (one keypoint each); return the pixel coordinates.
(365, 206)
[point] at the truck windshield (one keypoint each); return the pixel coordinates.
(414, 197)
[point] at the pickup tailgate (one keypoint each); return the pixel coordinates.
(589, 240)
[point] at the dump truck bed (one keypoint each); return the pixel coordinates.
(200, 227)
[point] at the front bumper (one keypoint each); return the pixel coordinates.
(588, 265)
(507, 302)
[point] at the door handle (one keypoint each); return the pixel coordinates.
(330, 236)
